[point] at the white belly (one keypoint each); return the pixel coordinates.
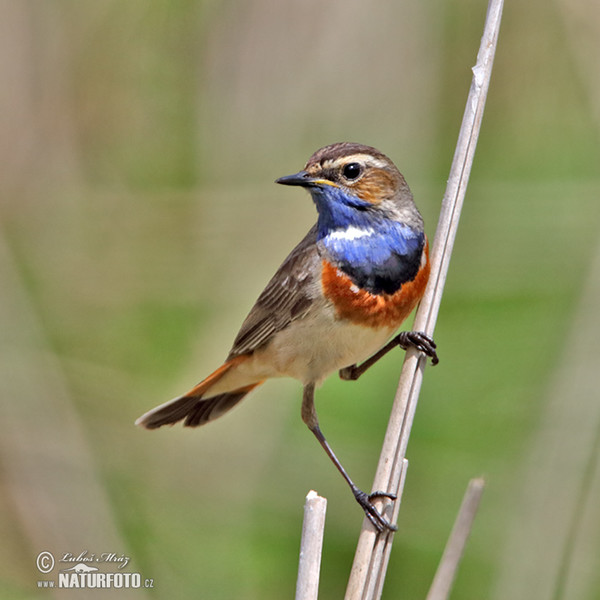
(310, 349)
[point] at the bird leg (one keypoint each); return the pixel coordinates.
(405, 339)
(309, 416)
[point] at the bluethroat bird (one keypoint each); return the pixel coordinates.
(336, 300)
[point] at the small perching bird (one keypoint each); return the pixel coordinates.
(336, 300)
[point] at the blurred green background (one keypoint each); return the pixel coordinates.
(139, 220)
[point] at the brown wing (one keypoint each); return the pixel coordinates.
(288, 296)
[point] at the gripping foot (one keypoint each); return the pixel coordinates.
(377, 519)
(419, 340)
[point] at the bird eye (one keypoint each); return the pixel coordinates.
(351, 171)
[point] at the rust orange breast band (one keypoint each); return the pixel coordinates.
(373, 310)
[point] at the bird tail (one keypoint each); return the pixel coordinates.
(193, 408)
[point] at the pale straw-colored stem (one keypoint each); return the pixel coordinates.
(372, 553)
(311, 544)
(448, 567)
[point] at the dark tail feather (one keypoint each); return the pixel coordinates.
(192, 409)
(212, 408)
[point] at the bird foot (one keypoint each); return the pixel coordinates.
(377, 519)
(419, 340)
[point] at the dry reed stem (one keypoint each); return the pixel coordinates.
(448, 567)
(311, 544)
(372, 553)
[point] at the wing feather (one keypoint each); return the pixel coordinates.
(288, 296)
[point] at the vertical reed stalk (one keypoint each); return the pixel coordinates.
(311, 544)
(372, 553)
(448, 567)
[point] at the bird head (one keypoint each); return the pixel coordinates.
(352, 182)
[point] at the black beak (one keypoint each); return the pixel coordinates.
(301, 178)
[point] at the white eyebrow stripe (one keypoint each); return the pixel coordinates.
(366, 159)
(350, 233)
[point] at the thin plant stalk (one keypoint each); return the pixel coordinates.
(372, 553)
(311, 544)
(448, 567)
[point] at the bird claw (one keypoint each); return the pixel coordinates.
(377, 519)
(421, 341)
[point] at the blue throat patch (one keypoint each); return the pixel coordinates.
(377, 253)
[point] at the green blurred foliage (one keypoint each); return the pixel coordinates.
(140, 145)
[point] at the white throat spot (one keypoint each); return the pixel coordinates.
(350, 233)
